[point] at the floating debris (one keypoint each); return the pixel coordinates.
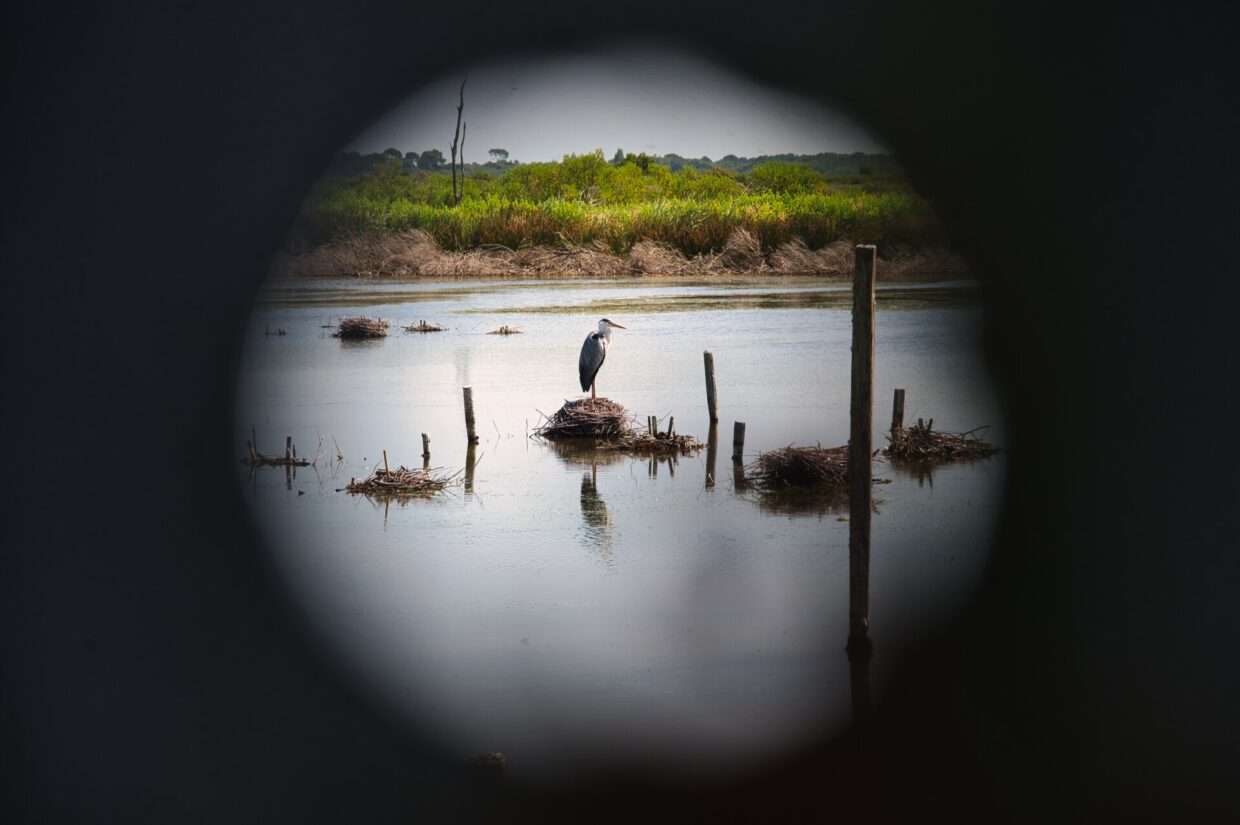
(506, 330)
(422, 326)
(289, 459)
(361, 327)
(920, 443)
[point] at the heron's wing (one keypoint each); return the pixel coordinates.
(593, 351)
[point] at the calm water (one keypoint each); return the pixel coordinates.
(575, 609)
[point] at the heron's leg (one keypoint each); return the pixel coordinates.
(593, 394)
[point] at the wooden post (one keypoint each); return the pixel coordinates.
(426, 451)
(385, 464)
(897, 413)
(738, 441)
(711, 402)
(288, 447)
(469, 415)
(861, 414)
(712, 452)
(470, 461)
(671, 426)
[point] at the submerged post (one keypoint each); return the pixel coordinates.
(711, 404)
(897, 413)
(738, 440)
(469, 415)
(861, 413)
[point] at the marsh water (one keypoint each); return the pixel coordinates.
(577, 610)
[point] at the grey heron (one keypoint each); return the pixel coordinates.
(593, 351)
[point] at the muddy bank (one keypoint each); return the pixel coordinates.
(415, 253)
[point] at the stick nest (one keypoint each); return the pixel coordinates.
(422, 326)
(587, 418)
(506, 330)
(399, 482)
(800, 467)
(361, 327)
(611, 427)
(920, 443)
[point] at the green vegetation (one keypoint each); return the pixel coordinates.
(588, 200)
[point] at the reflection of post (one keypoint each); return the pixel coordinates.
(469, 415)
(469, 468)
(712, 452)
(861, 412)
(860, 652)
(711, 404)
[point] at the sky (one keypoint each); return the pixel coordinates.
(642, 98)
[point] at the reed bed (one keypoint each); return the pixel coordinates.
(506, 330)
(415, 252)
(422, 326)
(399, 482)
(361, 327)
(800, 467)
(921, 443)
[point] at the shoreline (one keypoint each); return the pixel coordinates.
(414, 254)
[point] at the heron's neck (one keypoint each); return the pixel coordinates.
(605, 331)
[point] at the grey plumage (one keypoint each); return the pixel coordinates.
(593, 351)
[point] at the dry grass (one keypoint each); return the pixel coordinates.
(920, 443)
(800, 467)
(414, 253)
(361, 327)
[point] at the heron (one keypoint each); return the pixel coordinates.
(593, 351)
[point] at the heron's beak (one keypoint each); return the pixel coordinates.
(617, 326)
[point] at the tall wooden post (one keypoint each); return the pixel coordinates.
(897, 413)
(711, 404)
(861, 414)
(426, 451)
(469, 415)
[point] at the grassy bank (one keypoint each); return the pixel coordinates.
(586, 202)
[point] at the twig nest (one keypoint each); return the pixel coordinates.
(361, 327)
(920, 443)
(801, 467)
(587, 417)
(399, 482)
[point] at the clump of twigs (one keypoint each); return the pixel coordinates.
(652, 441)
(506, 330)
(289, 459)
(921, 443)
(422, 326)
(399, 482)
(361, 327)
(800, 467)
(586, 417)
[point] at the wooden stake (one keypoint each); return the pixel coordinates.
(385, 464)
(897, 413)
(288, 447)
(470, 461)
(671, 426)
(711, 404)
(861, 414)
(426, 446)
(469, 415)
(738, 440)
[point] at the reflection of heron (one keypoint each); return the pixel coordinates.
(597, 518)
(593, 351)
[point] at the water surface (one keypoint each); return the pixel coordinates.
(574, 609)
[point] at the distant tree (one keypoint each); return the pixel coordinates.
(618, 158)
(498, 155)
(431, 160)
(411, 160)
(394, 154)
(642, 160)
